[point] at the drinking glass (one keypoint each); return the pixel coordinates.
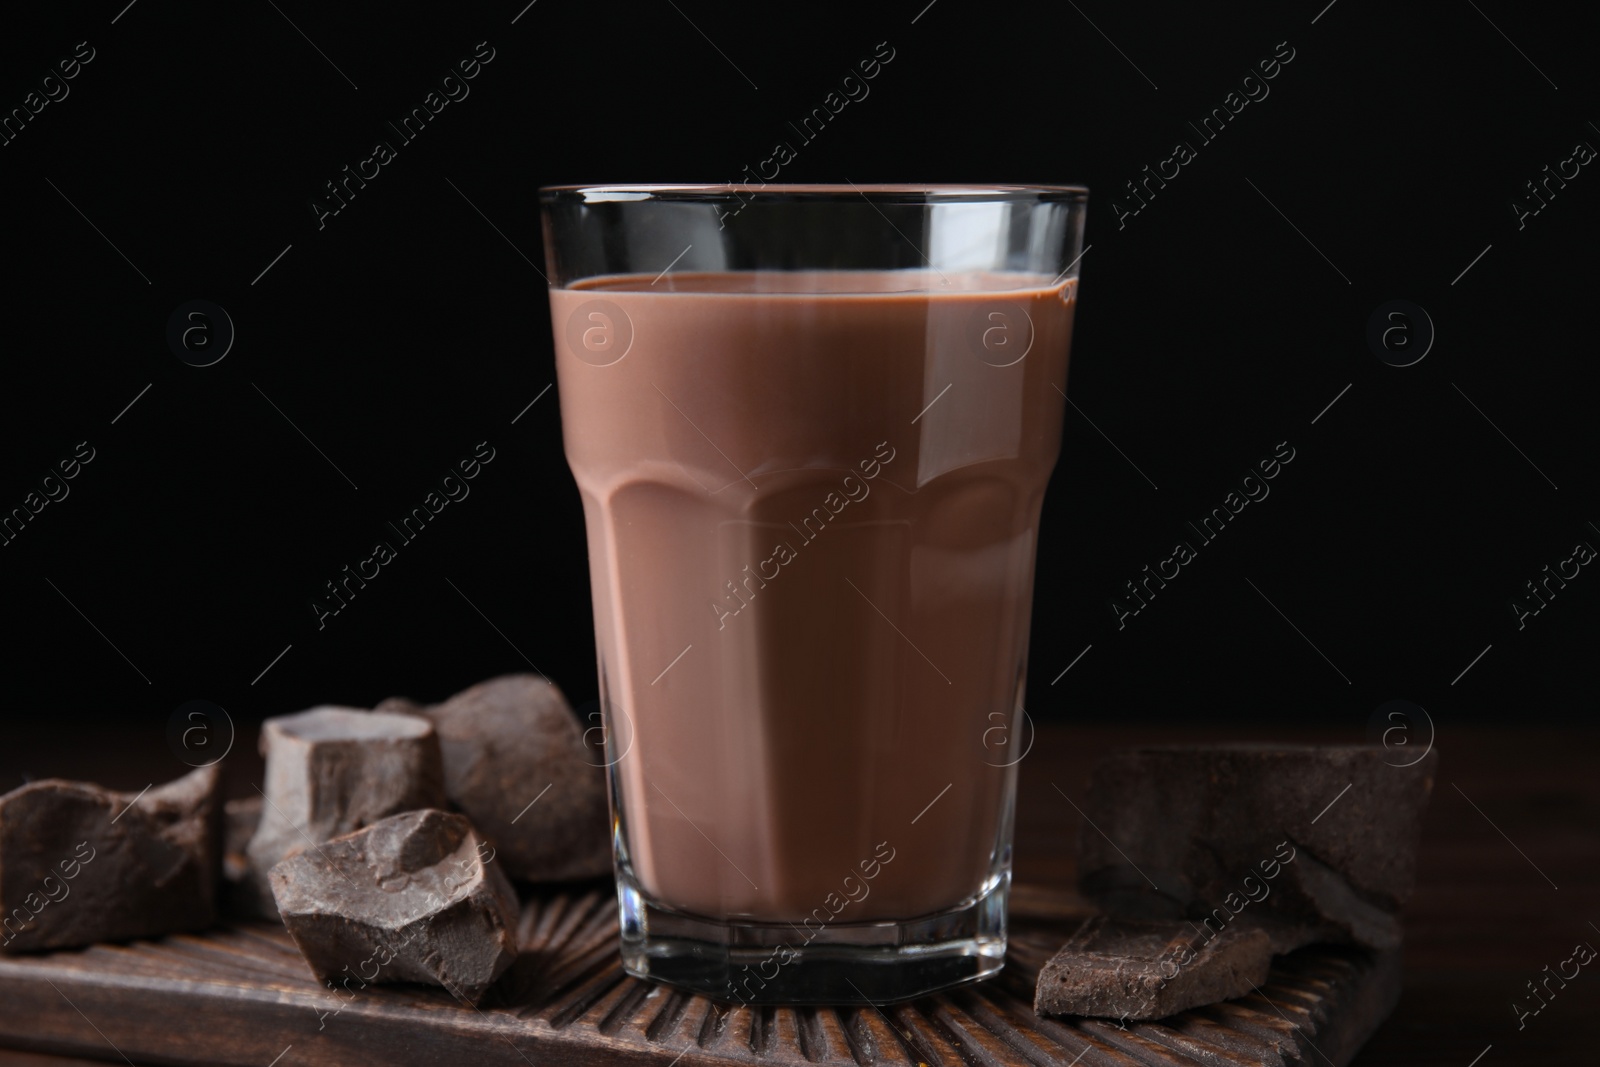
(811, 426)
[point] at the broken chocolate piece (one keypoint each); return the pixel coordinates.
(1133, 969)
(408, 899)
(1310, 842)
(516, 764)
(332, 770)
(80, 864)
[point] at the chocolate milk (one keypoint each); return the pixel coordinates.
(812, 504)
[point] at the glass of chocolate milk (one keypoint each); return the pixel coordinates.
(812, 426)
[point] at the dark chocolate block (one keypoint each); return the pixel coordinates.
(408, 899)
(1136, 969)
(1307, 842)
(80, 864)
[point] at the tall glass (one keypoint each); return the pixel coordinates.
(811, 427)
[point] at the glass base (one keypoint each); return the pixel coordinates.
(845, 963)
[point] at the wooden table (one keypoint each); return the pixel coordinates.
(1487, 917)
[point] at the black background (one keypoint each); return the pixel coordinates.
(412, 326)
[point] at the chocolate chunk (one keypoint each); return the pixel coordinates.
(332, 770)
(514, 741)
(1311, 843)
(80, 864)
(1134, 969)
(408, 899)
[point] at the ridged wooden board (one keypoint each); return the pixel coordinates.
(242, 995)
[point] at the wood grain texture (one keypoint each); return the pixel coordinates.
(242, 995)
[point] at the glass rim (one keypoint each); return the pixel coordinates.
(896, 192)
